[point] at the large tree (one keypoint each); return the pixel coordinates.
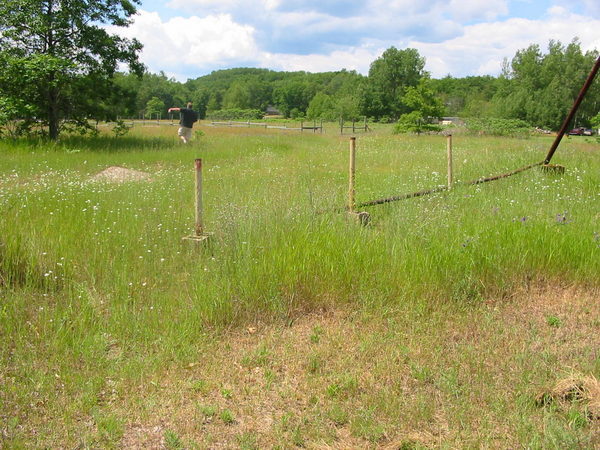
(57, 59)
(389, 77)
(541, 88)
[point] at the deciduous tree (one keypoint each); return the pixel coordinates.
(60, 56)
(389, 77)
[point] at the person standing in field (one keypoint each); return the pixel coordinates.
(186, 121)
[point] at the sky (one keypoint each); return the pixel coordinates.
(187, 39)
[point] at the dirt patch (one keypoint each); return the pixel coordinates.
(351, 379)
(140, 436)
(116, 174)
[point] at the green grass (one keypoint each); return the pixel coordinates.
(100, 294)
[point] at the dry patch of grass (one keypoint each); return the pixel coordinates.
(343, 379)
(581, 390)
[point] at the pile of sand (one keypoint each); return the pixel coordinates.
(118, 174)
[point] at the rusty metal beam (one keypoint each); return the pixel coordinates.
(578, 100)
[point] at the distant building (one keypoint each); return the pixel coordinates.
(452, 121)
(272, 111)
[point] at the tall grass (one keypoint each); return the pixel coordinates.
(94, 273)
(265, 197)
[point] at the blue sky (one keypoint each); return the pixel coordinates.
(190, 38)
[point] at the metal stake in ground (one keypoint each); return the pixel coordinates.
(199, 235)
(449, 146)
(352, 175)
(199, 224)
(361, 217)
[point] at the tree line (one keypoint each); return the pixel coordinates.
(58, 69)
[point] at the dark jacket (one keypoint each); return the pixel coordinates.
(188, 117)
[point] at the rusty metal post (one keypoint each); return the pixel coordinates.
(449, 148)
(199, 225)
(352, 175)
(563, 128)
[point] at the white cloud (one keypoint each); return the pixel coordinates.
(223, 5)
(467, 10)
(482, 47)
(358, 59)
(318, 40)
(588, 7)
(198, 42)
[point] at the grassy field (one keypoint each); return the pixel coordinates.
(451, 321)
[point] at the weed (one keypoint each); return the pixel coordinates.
(343, 387)
(110, 428)
(247, 441)
(260, 357)
(208, 411)
(365, 425)
(338, 415)
(315, 336)
(421, 373)
(577, 419)
(553, 321)
(315, 364)
(227, 417)
(199, 386)
(270, 378)
(226, 393)
(172, 441)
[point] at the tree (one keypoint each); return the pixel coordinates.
(60, 58)
(155, 106)
(321, 107)
(423, 99)
(424, 107)
(160, 86)
(200, 98)
(292, 97)
(541, 88)
(595, 122)
(389, 77)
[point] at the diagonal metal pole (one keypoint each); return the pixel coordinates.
(568, 119)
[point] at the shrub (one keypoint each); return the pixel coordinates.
(414, 122)
(499, 127)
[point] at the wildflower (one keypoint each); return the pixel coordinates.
(563, 218)
(466, 243)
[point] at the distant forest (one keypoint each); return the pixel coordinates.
(536, 87)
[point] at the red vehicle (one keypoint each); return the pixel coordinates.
(581, 131)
